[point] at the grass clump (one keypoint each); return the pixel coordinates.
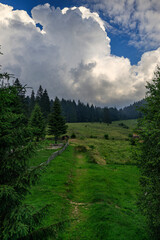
(91, 157)
(81, 148)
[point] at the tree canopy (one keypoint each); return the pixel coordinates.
(17, 220)
(149, 156)
(56, 124)
(37, 123)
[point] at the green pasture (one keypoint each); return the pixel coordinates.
(92, 187)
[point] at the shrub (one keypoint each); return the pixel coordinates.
(132, 141)
(106, 136)
(92, 146)
(130, 135)
(91, 136)
(73, 135)
(123, 125)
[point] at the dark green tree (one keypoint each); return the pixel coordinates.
(106, 116)
(32, 101)
(16, 218)
(149, 156)
(39, 96)
(23, 103)
(45, 104)
(56, 124)
(37, 123)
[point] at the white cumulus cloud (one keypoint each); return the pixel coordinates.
(142, 16)
(71, 56)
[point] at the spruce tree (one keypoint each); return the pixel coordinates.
(39, 96)
(32, 101)
(106, 116)
(45, 104)
(16, 218)
(149, 156)
(56, 124)
(36, 123)
(23, 103)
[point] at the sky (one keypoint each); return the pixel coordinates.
(99, 51)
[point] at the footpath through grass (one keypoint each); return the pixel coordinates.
(103, 200)
(92, 187)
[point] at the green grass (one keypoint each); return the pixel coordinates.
(99, 200)
(53, 186)
(106, 202)
(85, 130)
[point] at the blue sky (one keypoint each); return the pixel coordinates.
(99, 51)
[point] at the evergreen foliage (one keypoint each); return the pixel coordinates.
(23, 101)
(106, 115)
(32, 101)
(149, 156)
(39, 96)
(17, 220)
(37, 123)
(56, 125)
(76, 112)
(45, 104)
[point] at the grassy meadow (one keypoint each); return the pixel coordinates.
(91, 189)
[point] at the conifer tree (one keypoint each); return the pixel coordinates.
(106, 115)
(45, 104)
(16, 218)
(149, 156)
(39, 96)
(37, 123)
(56, 124)
(32, 101)
(23, 103)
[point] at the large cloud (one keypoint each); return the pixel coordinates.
(70, 56)
(141, 16)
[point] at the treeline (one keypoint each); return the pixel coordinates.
(77, 112)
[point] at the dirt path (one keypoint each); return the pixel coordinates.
(77, 199)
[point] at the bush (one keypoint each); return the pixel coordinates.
(73, 135)
(123, 125)
(91, 136)
(106, 136)
(130, 135)
(132, 141)
(92, 146)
